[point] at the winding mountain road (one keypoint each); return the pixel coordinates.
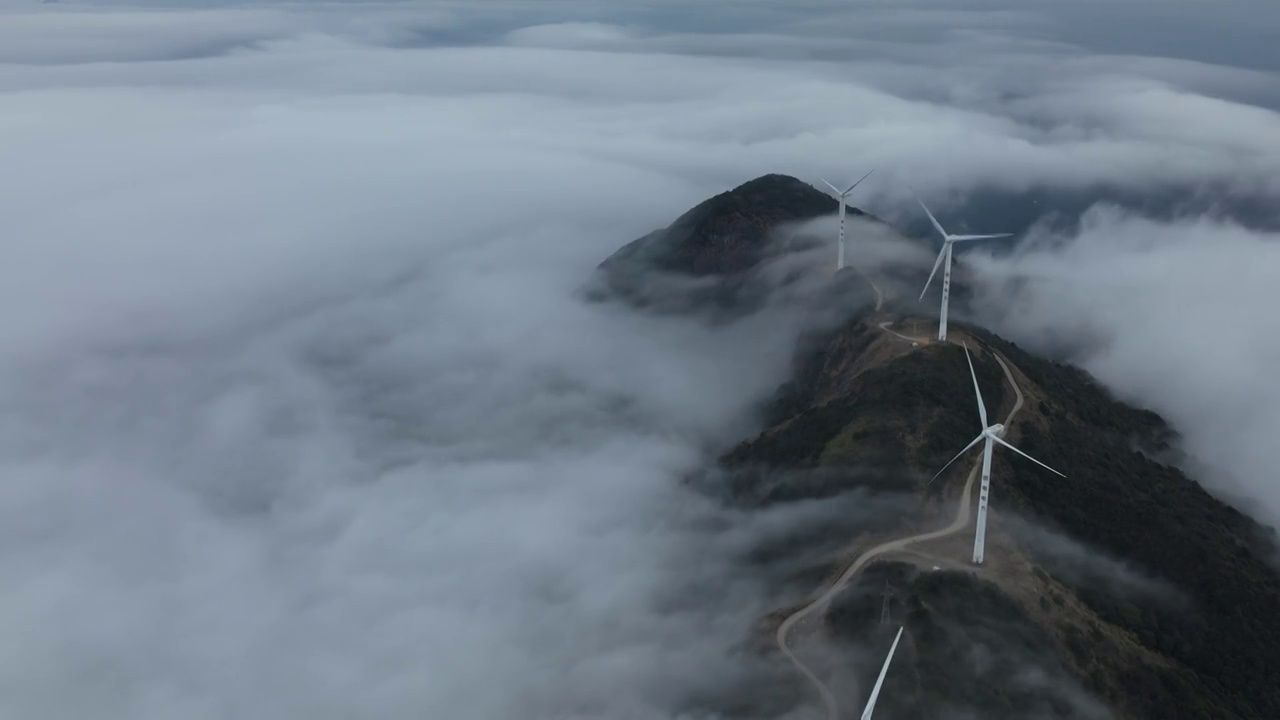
(819, 605)
(885, 327)
(880, 297)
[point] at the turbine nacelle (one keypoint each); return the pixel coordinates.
(994, 432)
(992, 435)
(944, 258)
(843, 195)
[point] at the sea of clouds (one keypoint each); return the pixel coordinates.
(301, 414)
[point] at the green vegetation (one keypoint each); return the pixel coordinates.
(845, 425)
(894, 423)
(705, 261)
(728, 233)
(1120, 501)
(968, 648)
(910, 415)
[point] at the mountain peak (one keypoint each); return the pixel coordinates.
(720, 241)
(783, 194)
(728, 233)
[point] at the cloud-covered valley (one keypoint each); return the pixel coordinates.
(303, 415)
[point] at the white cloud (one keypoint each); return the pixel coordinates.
(300, 416)
(1179, 321)
(570, 35)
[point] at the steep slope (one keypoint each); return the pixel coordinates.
(1225, 627)
(728, 233)
(971, 651)
(1193, 632)
(1123, 590)
(711, 257)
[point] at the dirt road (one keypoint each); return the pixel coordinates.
(817, 607)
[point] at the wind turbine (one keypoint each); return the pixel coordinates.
(992, 434)
(875, 691)
(842, 195)
(947, 241)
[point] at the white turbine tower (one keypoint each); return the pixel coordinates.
(842, 195)
(991, 434)
(947, 241)
(875, 691)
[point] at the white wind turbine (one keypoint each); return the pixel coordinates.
(947, 241)
(991, 434)
(875, 691)
(842, 195)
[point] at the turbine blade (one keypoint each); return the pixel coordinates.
(933, 219)
(982, 409)
(962, 238)
(1046, 467)
(966, 449)
(864, 177)
(875, 691)
(834, 189)
(936, 264)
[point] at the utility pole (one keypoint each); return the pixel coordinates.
(884, 606)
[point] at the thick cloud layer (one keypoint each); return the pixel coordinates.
(1173, 316)
(301, 417)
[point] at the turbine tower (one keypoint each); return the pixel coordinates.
(992, 434)
(842, 195)
(947, 241)
(875, 691)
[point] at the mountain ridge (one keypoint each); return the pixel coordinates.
(867, 410)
